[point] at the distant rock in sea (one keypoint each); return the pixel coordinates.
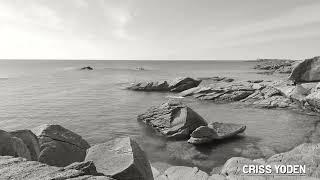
(86, 68)
(271, 66)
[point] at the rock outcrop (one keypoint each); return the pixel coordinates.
(60, 146)
(19, 169)
(313, 100)
(121, 159)
(172, 119)
(275, 65)
(215, 131)
(176, 85)
(13, 146)
(306, 71)
(30, 140)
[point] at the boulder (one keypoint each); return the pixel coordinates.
(60, 146)
(190, 91)
(172, 119)
(297, 92)
(121, 159)
(30, 140)
(13, 146)
(20, 168)
(306, 71)
(216, 130)
(176, 85)
(87, 167)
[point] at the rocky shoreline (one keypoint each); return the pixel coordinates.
(54, 152)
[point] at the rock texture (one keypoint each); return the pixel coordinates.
(60, 146)
(30, 140)
(275, 65)
(176, 85)
(13, 146)
(20, 169)
(306, 71)
(121, 159)
(214, 131)
(172, 119)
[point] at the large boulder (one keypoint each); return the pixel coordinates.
(13, 146)
(121, 159)
(296, 93)
(172, 119)
(176, 85)
(20, 168)
(306, 71)
(30, 140)
(60, 146)
(216, 130)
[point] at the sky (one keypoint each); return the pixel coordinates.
(159, 29)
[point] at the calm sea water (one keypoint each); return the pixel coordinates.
(96, 105)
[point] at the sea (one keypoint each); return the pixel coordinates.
(96, 105)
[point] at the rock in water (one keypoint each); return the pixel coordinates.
(121, 159)
(176, 85)
(60, 146)
(30, 140)
(306, 71)
(13, 146)
(87, 68)
(172, 119)
(216, 130)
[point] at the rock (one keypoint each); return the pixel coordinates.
(20, 168)
(176, 85)
(60, 146)
(87, 167)
(30, 140)
(275, 65)
(87, 68)
(172, 119)
(121, 159)
(216, 130)
(306, 71)
(190, 91)
(234, 165)
(313, 100)
(183, 172)
(13, 146)
(234, 96)
(296, 93)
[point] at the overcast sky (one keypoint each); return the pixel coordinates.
(159, 29)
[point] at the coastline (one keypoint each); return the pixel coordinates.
(257, 93)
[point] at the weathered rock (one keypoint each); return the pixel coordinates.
(190, 91)
(121, 159)
(275, 65)
(216, 130)
(234, 96)
(305, 154)
(313, 100)
(86, 167)
(297, 92)
(13, 146)
(30, 140)
(306, 71)
(60, 146)
(176, 85)
(183, 172)
(20, 168)
(172, 119)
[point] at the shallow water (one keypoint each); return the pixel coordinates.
(96, 105)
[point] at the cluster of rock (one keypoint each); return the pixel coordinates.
(275, 65)
(174, 119)
(176, 85)
(53, 152)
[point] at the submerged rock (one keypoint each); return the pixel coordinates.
(306, 71)
(172, 119)
(121, 159)
(176, 85)
(216, 130)
(60, 146)
(13, 146)
(30, 140)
